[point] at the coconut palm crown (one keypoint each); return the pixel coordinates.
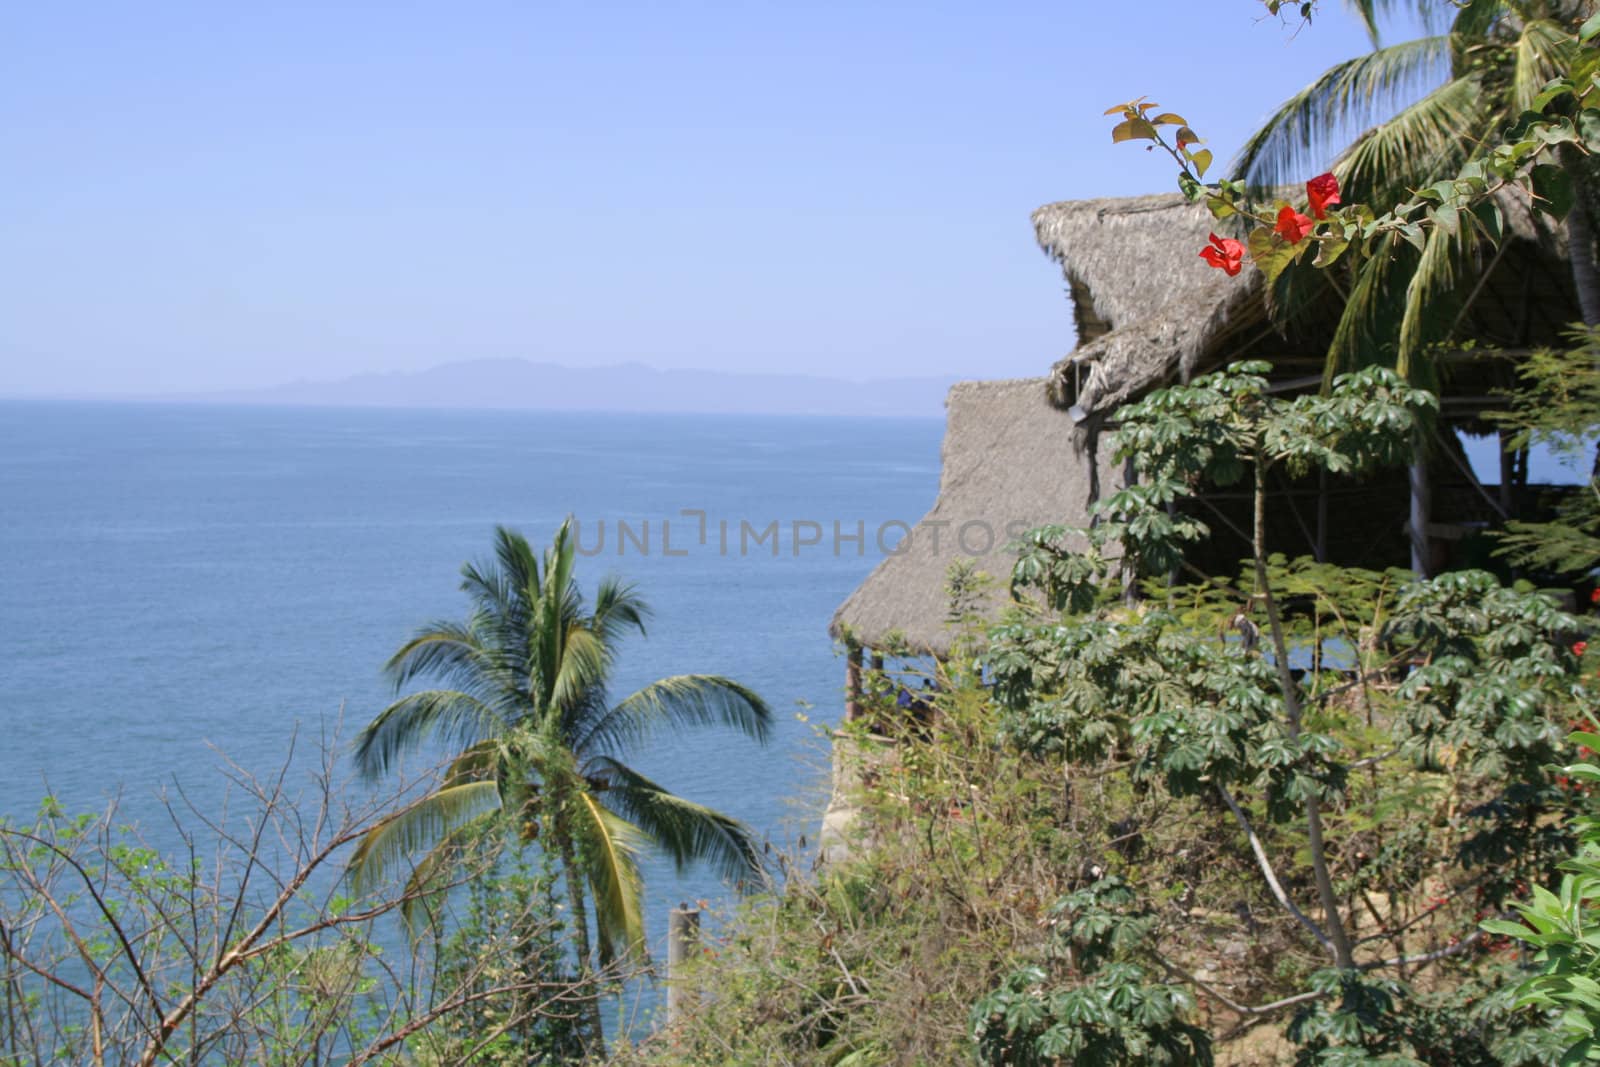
(1426, 106)
(521, 694)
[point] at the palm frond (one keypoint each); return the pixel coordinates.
(1431, 288)
(1544, 52)
(1424, 143)
(479, 763)
(580, 670)
(686, 831)
(440, 648)
(1476, 21)
(678, 701)
(611, 847)
(1372, 12)
(559, 560)
(617, 607)
(447, 714)
(1306, 132)
(518, 564)
(425, 823)
(488, 589)
(438, 872)
(1369, 314)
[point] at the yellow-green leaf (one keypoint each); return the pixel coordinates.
(1448, 219)
(1271, 253)
(1329, 250)
(1201, 161)
(1167, 118)
(1133, 130)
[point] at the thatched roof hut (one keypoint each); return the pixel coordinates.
(1010, 462)
(1149, 311)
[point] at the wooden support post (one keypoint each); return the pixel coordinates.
(852, 684)
(1508, 492)
(1421, 506)
(683, 933)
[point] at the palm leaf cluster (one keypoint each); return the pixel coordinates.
(1400, 118)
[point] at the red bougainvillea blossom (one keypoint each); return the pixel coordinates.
(1322, 191)
(1293, 226)
(1580, 648)
(1225, 253)
(1594, 596)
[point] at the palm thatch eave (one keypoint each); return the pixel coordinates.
(1145, 305)
(1010, 462)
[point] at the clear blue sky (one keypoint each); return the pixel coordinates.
(203, 196)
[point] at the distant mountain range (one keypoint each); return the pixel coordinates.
(626, 387)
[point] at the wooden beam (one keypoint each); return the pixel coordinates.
(852, 684)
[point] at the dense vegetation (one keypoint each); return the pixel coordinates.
(1257, 819)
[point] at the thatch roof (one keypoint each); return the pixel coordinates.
(1148, 310)
(1010, 460)
(1144, 303)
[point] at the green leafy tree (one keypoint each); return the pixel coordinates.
(524, 694)
(1352, 704)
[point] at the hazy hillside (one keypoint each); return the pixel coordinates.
(516, 383)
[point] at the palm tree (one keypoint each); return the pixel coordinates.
(1474, 80)
(522, 693)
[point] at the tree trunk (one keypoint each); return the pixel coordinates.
(1580, 236)
(1580, 241)
(1333, 919)
(593, 1038)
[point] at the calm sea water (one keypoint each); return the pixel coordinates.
(179, 577)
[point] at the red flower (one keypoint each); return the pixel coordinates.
(1594, 595)
(1322, 191)
(1580, 647)
(1224, 253)
(1293, 226)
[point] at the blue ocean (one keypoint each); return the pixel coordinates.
(180, 583)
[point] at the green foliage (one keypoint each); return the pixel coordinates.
(1213, 431)
(1563, 927)
(1558, 406)
(508, 946)
(1213, 428)
(960, 849)
(241, 949)
(1359, 1019)
(1449, 695)
(1111, 1014)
